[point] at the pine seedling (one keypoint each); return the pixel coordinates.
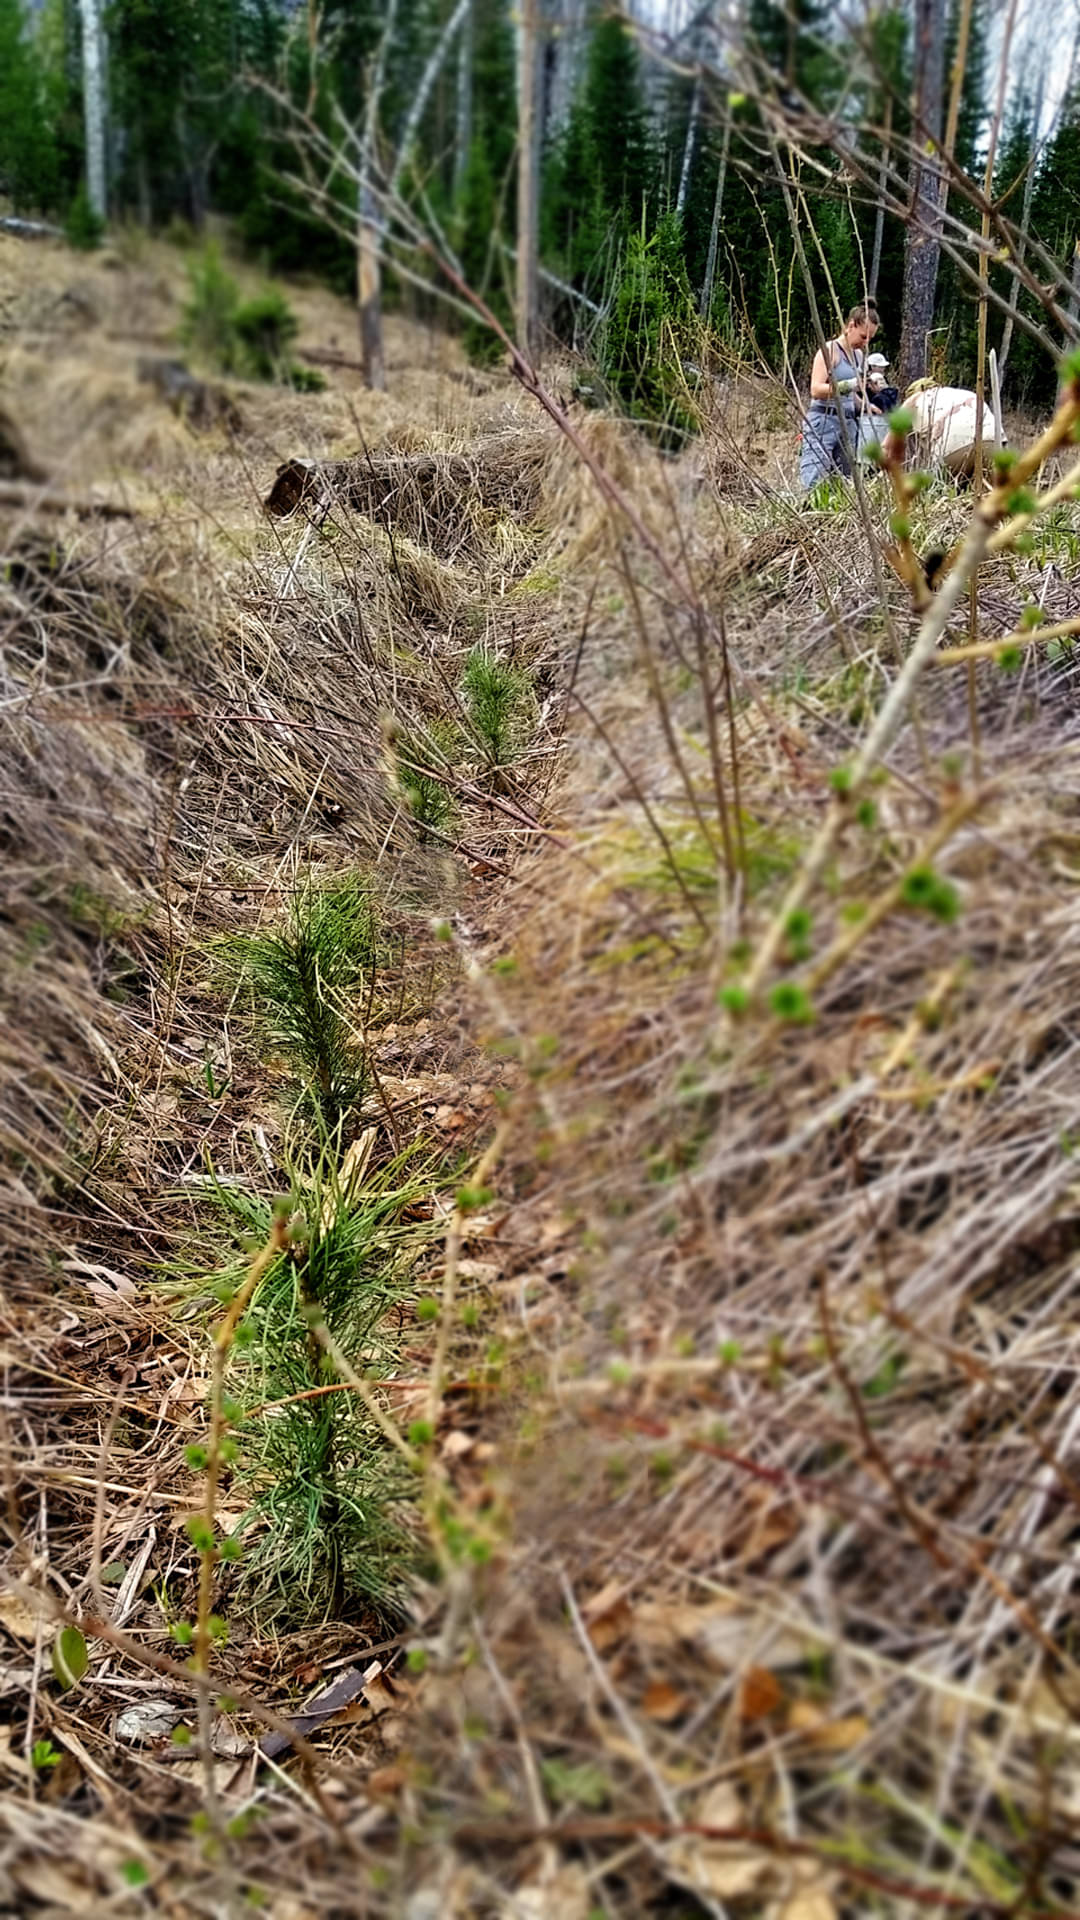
(427, 797)
(500, 704)
(265, 328)
(328, 1493)
(304, 978)
(206, 327)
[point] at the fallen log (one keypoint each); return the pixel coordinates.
(37, 499)
(329, 357)
(439, 499)
(28, 229)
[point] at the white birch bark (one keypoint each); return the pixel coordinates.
(528, 197)
(689, 143)
(1025, 214)
(423, 92)
(568, 40)
(464, 115)
(93, 62)
(705, 303)
(368, 263)
(879, 218)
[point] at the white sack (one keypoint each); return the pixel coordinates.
(947, 415)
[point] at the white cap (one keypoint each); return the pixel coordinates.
(876, 360)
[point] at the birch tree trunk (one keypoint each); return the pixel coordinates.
(368, 263)
(369, 291)
(568, 40)
(705, 302)
(464, 126)
(93, 63)
(879, 218)
(528, 194)
(923, 248)
(423, 92)
(689, 144)
(1025, 223)
(984, 262)
(1072, 304)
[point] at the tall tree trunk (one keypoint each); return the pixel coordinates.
(705, 302)
(1072, 304)
(423, 92)
(689, 143)
(369, 291)
(1025, 223)
(464, 115)
(984, 262)
(879, 217)
(568, 39)
(93, 62)
(528, 194)
(956, 75)
(923, 248)
(368, 261)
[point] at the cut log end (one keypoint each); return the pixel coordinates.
(294, 482)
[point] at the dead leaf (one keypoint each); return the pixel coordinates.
(483, 1226)
(559, 1895)
(457, 1445)
(606, 1629)
(760, 1694)
(663, 1702)
(486, 1272)
(227, 1741)
(20, 1620)
(377, 1692)
(104, 1283)
(829, 1736)
(47, 1882)
(726, 1869)
(336, 1194)
(11, 1762)
(723, 1635)
(307, 1675)
(385, 1782)
(809, 1903)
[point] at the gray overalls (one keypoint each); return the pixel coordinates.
(822, 447)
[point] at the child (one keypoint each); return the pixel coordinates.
(883, 396)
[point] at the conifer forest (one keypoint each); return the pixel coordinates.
(540, 959)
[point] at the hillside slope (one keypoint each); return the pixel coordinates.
(650, 1454)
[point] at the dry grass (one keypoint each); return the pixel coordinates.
(763, 1411)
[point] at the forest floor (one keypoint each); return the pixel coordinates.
(652, 1462)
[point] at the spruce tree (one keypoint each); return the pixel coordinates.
(599, 182)
(792, 41)
(1056, 210)
(616, 115)
(29, 170)
(651, 324)
(1055, 218)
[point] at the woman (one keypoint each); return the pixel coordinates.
(837, 389)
